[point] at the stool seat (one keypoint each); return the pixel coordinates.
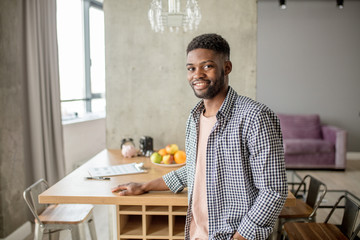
(302, 210)
(66, 213)
(297, 231)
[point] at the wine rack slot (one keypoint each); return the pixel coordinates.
(157, 225)
(130, 225)
(157, 209)
(178, 226)
(130, 208)
(151, 222)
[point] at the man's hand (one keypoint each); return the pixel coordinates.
(238, 236)
(129, 189)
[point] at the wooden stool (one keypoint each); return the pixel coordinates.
(54, 218)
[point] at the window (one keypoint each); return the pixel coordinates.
(80, 30)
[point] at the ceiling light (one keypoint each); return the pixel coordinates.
(282, 4)
(340, 4)
(174, 19)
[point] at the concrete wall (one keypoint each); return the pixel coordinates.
(13, 130)
(147, 91)
(308, 61)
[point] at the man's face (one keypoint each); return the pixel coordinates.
(206, 73)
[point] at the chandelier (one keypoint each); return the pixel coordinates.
(174, 18)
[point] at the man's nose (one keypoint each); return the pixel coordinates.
(199, 73)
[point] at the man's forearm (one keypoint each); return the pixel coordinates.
(155, 185)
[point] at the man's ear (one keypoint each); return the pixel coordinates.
(227, 67)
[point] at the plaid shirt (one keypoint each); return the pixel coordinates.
(245, 171)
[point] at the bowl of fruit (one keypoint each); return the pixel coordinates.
(170, 156)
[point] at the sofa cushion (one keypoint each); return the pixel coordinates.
(300, 126)
(310, 161)
(306, 146)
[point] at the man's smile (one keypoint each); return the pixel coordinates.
(200, 84)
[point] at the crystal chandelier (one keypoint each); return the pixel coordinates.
(174, 19)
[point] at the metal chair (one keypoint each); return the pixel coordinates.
(304, 210)
(53, 218)
(299, 230)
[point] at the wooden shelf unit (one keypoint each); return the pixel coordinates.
(151, 222)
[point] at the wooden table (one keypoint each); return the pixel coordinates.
(155, 214)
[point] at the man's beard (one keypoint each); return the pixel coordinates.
(212, 90)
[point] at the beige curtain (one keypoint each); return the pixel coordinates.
(47, 156)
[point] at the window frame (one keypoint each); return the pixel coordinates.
(89, 96)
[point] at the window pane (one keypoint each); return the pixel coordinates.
(97, 50)
(70, 49)
(72, 110)
(98, 105)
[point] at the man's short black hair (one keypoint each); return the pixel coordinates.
(210, 41)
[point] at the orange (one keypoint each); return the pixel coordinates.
(162, 152)
(180, 157)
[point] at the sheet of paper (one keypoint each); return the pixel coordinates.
(121, 169)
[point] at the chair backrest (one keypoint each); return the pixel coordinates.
(31, 198)
(350, 216)
(316, 187)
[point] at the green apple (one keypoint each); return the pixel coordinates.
(155, 157)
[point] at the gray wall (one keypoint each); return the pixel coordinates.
(309, 61)
(147, 91)
(13, 130)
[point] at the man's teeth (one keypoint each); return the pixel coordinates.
(200, 83)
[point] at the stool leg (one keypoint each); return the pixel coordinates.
(82, 230)
(55, 235)
(280, 229)
(75, 235)
(39, 232)
(92, 229)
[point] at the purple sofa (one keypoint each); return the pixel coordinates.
(310, 145)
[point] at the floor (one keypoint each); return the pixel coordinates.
(335, 180)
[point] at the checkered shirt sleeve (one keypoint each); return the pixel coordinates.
(176, 180)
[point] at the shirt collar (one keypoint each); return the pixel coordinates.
(225, 109)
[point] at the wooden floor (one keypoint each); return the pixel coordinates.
(335, 180)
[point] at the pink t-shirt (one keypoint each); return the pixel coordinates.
(199, 226)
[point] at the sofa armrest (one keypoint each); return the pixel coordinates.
(338, 137)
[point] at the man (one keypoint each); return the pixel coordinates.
(235, 170)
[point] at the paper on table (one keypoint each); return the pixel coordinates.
(122, 169)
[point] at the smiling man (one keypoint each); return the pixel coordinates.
(235, 171)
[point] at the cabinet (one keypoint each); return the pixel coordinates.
(151, 221)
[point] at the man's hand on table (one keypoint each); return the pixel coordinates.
(132, 188)
(129, 189)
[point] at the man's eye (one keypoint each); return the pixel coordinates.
(190, 69)
(207, 67)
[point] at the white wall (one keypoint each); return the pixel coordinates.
(82, 141)
(309, 61)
